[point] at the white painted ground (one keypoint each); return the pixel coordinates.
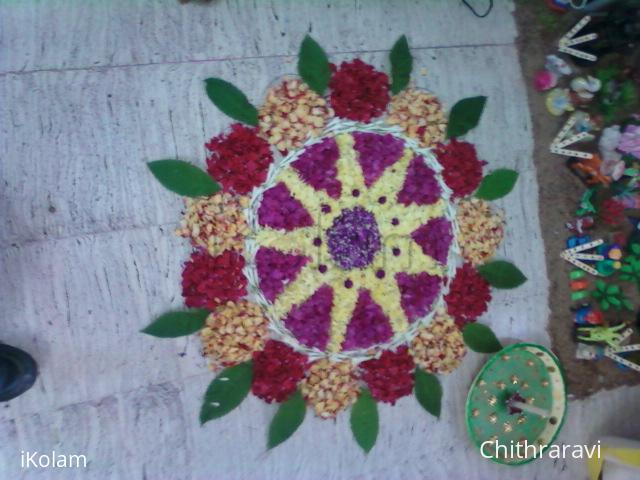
(90, 91)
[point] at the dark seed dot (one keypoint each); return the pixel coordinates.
(325, 208)
(317, 242)
(355, 193)
(380, 274)
(382, 200)
(395, 221)
(396, 252)
(348, 283)
(322, 268)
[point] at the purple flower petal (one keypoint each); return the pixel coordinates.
(310, 322)
(317, 166)
(276, 269)
(420, 185)
(280, 210)
(434, 237)
(417, 293)
(376, 152)
(368, 325)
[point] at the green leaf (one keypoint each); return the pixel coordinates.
(177, 324)
(605, 305)
(226, 391)
(313, 65)
(428, 391)
(614, 301)
(627, 304)
(480, 338)
(465, 115)
(600, 285)
(401, 65)
(597, 294)
(613, 289)
(364, 421)
(183, 178)
(286, 420)
(635, 248)
(497, 184)
(626, 269)
(502, 274)
(231, 101)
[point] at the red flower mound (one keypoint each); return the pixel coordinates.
(390, 376)
(468, 295)
(277, 369)
(208, 282)
(462, 169)
(239, 160)
(358, 91)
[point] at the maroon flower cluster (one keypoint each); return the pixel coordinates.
(317, 166)
(390, 376)
(368, 325)
(375, 153)
(277, 369)
(468, 295)
(239, 160)
(208, 282)
(420, 185)
(275, 268)
(358, 91)
(462, 169)
(310, 322)
(279, 209)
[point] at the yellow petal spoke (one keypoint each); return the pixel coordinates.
(408, 218)
(349, 169)
(299, 290)
(295, 241)
(413, 260)
(311, 199)
(385, 292)
(344, 302)
(391, 181)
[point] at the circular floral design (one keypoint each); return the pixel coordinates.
(358, 226)
(339, 259)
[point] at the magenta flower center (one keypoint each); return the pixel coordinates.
(354, 238)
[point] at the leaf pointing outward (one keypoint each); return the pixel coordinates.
(226, 391)
(364, 421)
(428, 391)
(287, 419)
(497, 184)
(401, 65)
(231, 101)
(502, 274)
(313, 65)
(480, 338)
(177, 324)
(183, 178)
(465, 115)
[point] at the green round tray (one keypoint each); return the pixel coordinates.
(535, 374)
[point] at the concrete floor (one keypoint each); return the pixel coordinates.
(91, 91)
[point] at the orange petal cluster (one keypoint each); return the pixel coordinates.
(330, 387)
(420, 115)
(481, 230)
(438, 347)
(291, 113)
(233, 332)
(216, 223)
